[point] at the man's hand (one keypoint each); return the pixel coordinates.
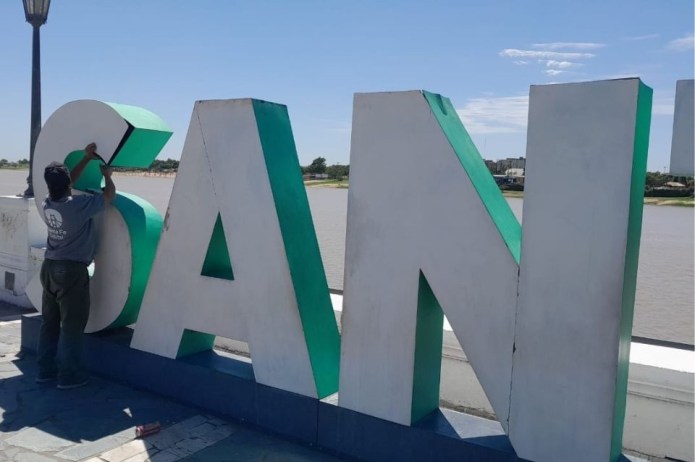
(90, 150)
(106, 171)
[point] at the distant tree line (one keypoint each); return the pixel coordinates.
(658, 179)
(169, 165)
(664, 185)
(158, 166)
(21, 163)
(657, 184)
(318, 167)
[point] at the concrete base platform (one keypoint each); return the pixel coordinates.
(40, 423)
(224, 384)
(443, 435)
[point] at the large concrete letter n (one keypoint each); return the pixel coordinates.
(545, 323)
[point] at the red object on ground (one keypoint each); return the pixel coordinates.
(149, 429)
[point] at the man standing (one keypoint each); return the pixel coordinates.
(71, 246)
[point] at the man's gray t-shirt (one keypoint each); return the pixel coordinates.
(71, 230)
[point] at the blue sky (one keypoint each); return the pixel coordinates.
(314, 55)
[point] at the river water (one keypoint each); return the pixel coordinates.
(664, 302)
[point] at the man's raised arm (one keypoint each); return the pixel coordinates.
(89, 154)
(109, 188)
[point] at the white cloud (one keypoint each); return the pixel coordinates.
(538, 54)
(555, 63)
(507, 114)
(641, 37)
(561, 64)
(521, 63)
(570, 45)
(682, 44)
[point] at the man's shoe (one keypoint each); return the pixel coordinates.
(45, 377)
(68, 383)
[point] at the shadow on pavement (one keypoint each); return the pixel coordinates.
(98, 410)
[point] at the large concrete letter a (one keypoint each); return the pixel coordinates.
(238, 256)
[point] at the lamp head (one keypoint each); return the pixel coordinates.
(36, 11)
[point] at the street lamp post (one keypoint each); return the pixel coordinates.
(36, 13)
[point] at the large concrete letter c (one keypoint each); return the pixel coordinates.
(126, 136)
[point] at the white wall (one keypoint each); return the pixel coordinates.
(20, 228)
(682, 144)
(660, 402)
(660, 412)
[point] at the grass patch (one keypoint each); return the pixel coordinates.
(519, 194)
(673, 201)
(340, 184)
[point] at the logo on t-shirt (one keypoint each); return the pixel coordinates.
(53, 218)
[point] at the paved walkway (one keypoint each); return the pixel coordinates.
(96, 423)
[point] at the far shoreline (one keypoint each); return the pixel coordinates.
(344, 184)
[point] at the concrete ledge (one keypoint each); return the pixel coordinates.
(224, 384)
(20, 227)
(660, 417)
(444, 435)
(660, 414)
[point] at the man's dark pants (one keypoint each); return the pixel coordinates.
(65, 311)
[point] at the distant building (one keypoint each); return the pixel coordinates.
(315, 176)
(511, 163)
(501, 166)
(502, 179)
(514, 172)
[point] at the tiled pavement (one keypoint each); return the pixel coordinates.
(96, 423)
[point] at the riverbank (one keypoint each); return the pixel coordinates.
(339, 184)
(344, 184)
(672, 201)
(664, 300)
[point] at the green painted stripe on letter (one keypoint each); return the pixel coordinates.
(149, 135)
(217, 263)
(634, 232)
(474, 165)
(91, 175)
(139, 117)
(194, 342)
(429, 333)
(144, 224)
(301, 246)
